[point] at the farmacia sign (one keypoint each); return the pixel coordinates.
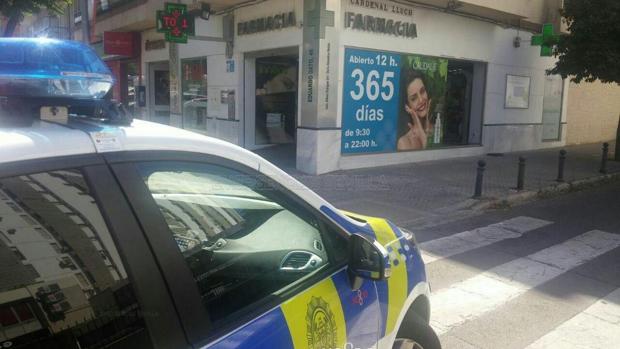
(380, 25)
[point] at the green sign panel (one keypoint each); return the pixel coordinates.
(546, 40)
(175, 22)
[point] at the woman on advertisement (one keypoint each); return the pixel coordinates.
(417, 104)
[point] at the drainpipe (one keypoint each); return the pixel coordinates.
(85, 24)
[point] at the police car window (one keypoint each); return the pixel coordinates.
(241, 238)
(63, 283)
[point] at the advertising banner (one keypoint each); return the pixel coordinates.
(391, 101)
(120, 43)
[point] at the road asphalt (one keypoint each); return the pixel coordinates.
(544, 274)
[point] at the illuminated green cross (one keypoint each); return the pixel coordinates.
(318, 17)
(175, 22)
(546, 40)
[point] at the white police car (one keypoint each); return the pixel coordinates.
(127, 234)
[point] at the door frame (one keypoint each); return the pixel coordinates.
(150, 102)
(249, 92)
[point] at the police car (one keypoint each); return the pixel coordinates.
(120, 233)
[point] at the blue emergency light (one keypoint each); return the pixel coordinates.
(54, 80)
(39, 67)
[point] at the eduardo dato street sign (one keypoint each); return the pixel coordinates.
(175, 22)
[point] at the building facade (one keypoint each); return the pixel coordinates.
(345, 83)
(593, 112)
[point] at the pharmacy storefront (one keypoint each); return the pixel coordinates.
(416, 84)
(356, 83)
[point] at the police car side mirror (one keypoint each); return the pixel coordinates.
(368, 259)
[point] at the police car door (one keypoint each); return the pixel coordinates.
(269, 270)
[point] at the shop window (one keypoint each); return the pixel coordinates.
(194, 86)
(438, 92)
(406, 102)
(455, 124)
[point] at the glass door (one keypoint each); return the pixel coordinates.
(276, 99)
(159, 104)
(194, 88)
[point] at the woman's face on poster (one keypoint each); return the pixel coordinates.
(417, 98)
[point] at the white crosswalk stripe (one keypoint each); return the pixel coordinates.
(488, 291)
(468, 240)
(596, 327)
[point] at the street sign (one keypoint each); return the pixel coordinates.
(175, 22)
(546, 40)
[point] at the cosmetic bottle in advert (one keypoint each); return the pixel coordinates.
(437, 132)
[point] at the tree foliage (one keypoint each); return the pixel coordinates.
(591, 49)
(14, 10)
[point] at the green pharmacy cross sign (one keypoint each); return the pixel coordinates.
(175, 22)
(546, 40)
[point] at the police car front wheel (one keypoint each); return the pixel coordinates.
(416, 334)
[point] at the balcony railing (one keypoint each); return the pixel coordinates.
(105, 6)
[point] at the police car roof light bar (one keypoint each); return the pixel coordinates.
(39, 72)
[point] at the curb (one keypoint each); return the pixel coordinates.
(546, 192)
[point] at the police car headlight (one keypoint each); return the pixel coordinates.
(409, 236)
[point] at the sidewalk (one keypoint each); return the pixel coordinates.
(428, 193)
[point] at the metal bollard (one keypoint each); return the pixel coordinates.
(603, 169)
(479, 175)
(617, 152)
(521, 175)
(561, 166)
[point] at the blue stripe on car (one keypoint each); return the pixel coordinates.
(267, 331)
(360, 311)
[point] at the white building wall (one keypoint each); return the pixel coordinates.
(249, 46)
(148, 57)
(439, 34)
(284, 37)
(451, 36)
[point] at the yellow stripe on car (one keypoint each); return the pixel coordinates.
(397, 282)
(315, 318)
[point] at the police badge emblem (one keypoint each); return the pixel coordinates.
(321, 325)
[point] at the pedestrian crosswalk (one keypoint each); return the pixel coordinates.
(596, 327)
(489, 291)
(469, 240)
